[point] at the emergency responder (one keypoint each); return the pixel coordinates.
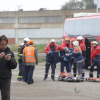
(19, 78)
(21, 67)
(52, 57)
(95, 59)
(78, 60)
(83, 49)
(72, 40)
(65, 61)
(30, 58)
(72, 58)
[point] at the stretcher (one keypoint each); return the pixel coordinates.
(68, 78)
(93, 79)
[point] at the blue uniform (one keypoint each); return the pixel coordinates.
(96, 61)
(65, 60)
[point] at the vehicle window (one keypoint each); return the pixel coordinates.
(88, 26)
(97, 27)
(70, 28)
(78, 27)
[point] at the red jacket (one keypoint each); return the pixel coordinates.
(82, 46)
(64, 45)
(47, 48)
(96, 52)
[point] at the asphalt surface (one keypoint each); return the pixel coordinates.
(53, 90)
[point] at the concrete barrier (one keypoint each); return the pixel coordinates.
(41, 56)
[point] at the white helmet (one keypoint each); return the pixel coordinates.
(76, 43)
(22, 44)
(53, 40)
(79, 38)
(26, 39)
(94, 42)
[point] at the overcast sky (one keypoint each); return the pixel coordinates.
(12, 5)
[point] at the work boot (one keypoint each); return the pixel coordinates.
(52, 77)
(45, 77)
(19, 79)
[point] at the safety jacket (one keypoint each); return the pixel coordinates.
(19, 49)
(96, 55)
(20, 53)
(83, 49)
(77, 56)
(29, 54)
(56, 55)
(62, 53)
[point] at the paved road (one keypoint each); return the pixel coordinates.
(53, 90)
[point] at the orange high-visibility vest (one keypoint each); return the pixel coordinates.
(29, 54)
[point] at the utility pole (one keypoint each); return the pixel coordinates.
(97, 6)
(18, 6)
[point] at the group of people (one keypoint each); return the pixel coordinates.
(28, 58)
(72, 53)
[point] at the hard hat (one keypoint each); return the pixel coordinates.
(79, 38)
(53, 40)
(26, 39)
(67, 39)
(94, 42)
(31, 42)
(75, 43)
(22, 44)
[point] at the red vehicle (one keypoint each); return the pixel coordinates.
(88, 27)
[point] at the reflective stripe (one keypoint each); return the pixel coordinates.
(20, 54)
(29, 56)
(91, 73)
(31, 59)
(69, 73)
(80, 61)
(52, 74)
(19, 76)
(83, 70)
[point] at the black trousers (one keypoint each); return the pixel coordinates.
(53, 67)
(5, 88)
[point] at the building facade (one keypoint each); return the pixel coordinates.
(40, 26)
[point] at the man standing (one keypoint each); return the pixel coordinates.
(52, 57)
(30, 58)
(65, 60)
(95, 59)
(83, 49)
(20, 75)
(7, 62)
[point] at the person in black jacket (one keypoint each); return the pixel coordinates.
(7, 62)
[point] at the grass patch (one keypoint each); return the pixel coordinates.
(42, 60)
(40, 47)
